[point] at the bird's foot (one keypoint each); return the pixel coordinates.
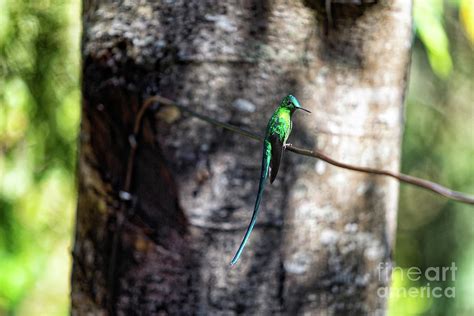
(287, 145)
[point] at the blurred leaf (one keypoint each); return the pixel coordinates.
(403, 301)
(466, 15)
(428, 16)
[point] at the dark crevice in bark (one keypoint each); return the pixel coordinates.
(339, 44)
(111, 110)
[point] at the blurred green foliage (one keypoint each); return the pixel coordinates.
(438, 145)
(39, 119)
(428, 16)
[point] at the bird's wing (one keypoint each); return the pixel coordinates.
(277, 149)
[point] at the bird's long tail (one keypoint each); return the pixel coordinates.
(263, 180)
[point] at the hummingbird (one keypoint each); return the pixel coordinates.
(278, 129)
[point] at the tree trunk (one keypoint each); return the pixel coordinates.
(161, 213)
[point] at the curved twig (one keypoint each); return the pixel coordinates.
(422, 183)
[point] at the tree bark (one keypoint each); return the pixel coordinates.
(160, 213)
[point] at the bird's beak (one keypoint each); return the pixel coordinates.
(304, 110)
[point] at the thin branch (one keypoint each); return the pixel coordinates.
(421, 183)
(122, 215)
(205, 118)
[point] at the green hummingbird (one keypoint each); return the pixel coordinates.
(278, 130)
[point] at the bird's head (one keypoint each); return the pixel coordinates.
(291, 103)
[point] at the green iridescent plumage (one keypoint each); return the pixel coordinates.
(278, 130)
